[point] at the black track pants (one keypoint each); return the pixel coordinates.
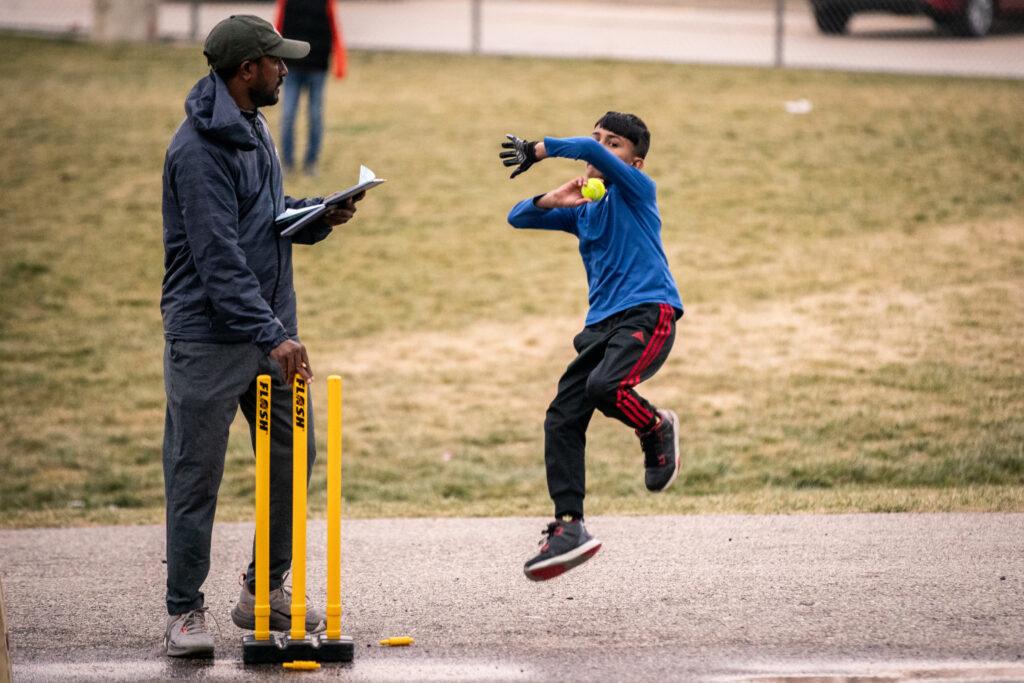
(615, 355)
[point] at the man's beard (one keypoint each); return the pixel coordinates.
(263, 98)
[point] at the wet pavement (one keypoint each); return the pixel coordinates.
(713, 598)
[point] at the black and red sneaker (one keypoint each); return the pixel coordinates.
(661, 452)
(565, 545)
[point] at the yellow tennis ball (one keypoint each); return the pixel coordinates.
(593, 190)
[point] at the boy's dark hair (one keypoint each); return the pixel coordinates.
(630, 127)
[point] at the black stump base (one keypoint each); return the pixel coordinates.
(281, 648)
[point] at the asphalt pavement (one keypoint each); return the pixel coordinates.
(711, 598)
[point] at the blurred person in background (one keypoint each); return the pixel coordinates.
(314, 22)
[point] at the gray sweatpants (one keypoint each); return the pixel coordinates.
(205, 385)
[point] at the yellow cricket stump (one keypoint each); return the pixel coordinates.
(262, 608)
(263, 647)
(299, 473)
(334, 507)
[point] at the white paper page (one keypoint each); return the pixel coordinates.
(365, 174)
(289, 214)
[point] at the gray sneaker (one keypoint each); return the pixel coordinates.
(243, 614)
(186, 635)
(565, 545)
(661, 452)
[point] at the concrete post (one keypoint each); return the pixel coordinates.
(475, 26)
(125, 20)
(780, 33)
(193, 21)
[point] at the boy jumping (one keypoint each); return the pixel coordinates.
(629, 330)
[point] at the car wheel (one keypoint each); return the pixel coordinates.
(976, 20)
(831, 20)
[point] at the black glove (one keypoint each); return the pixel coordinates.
(518, 152)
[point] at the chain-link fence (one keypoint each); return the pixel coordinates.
(963, 37)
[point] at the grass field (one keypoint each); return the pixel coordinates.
(854, 282)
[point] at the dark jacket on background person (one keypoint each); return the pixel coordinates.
(316, 22)
(307, 20)
(228, 274)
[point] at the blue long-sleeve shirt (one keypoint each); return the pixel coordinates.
(619, 236)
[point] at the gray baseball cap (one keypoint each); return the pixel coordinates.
(243, 37)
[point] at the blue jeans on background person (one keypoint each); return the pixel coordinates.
(313, 83)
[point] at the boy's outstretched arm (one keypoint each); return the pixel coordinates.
(525, 153)
(632, 181)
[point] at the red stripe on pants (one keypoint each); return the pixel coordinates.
(636, 412)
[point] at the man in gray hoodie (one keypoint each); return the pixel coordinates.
(228, 306)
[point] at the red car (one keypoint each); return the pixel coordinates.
(964, 17)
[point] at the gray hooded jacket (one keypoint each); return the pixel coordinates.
(227, 272)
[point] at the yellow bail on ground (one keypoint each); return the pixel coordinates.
(301, 665)
(397, 641)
